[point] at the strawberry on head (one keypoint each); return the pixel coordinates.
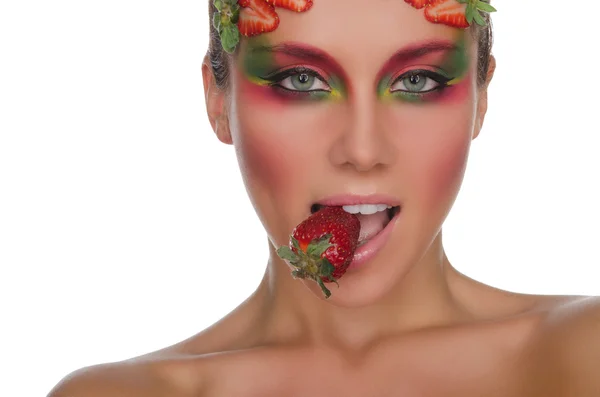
(256, 17)
(457, 13)
(253, 17)
(294, 5)
(448, 12)
(418, 4)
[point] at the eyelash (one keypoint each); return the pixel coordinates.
(276, 79)
(438, 78)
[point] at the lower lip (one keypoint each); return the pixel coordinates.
(368, 250)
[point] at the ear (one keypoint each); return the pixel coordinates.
(482, 101)
(215, 99)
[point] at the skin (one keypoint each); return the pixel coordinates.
(407, 323)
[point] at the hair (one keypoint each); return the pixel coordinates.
(220, 60)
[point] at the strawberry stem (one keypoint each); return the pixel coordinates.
(324, 288)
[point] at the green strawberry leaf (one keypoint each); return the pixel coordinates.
(324, 288)
(483, 6)
(295, 243)
(298, 273)
(236, 14)
(318, 247)
(479, 19)
(287, 254)
(217, 20)
(469, 14)
(327, 268)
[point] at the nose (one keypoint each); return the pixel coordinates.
(363, 143)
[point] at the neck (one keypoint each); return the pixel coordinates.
(423, 298)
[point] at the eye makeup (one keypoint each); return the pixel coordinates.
(301, 82)
(420, 73)
(431, 80)
(262, 66)
(417, 85)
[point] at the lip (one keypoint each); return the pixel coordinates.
(353, 199)
(368, 250)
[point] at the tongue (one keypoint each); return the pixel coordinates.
(372, 224)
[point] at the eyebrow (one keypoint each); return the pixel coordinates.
(295, 50)
(414, 52)
(420, 50)
(302, 51)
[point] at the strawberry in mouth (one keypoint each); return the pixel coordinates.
(322, 247)
(373, 218)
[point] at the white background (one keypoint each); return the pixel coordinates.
(124, 223)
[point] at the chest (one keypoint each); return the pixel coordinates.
(388, 373)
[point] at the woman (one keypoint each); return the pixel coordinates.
(317, 123)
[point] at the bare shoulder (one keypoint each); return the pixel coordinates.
(157, 377)
(565, 359)
(575, 329)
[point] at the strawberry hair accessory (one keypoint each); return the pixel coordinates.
(225, 20)
(250, 18)
(253, 17)
(455, 13)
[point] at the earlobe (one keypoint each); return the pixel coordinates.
(222, 130)
(214, 97)
(482, 102)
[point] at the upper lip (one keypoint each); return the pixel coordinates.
(354, 199)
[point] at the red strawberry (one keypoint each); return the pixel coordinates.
(256, 17)
(447, 12)
(322, 246)
(418, 3)
(294, 5)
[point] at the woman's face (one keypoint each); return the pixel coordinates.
(384, 102)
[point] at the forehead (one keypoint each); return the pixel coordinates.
(365, 30)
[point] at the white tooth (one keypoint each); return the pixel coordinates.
(366, 209)
(353, 209)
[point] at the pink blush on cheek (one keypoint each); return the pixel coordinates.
(457, 93)
(447, 171)
(264, 162)
(258, 94)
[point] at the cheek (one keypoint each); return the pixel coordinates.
(258, 136)
(262, 160)
(266, 170)
(445, 162)
(436, 144)
(271, 139)
(457, 93)
(258, 95)
(275, 135)
(447, 167)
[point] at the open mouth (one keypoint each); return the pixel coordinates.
(373, 218)
(391, 212)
